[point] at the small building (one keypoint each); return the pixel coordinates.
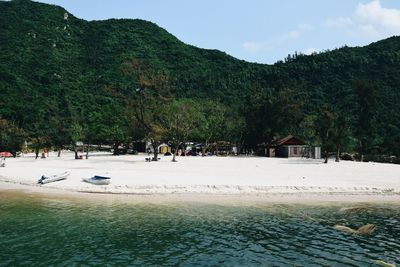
(287, 147)
(164, 148)
(221, 148)
(161, 149)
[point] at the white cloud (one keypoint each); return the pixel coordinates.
(338, 22)
(377, 21)
(253, 46)
(289, 36)
(310, 51)
(370, 21)
(305, 27)
(270, 44)
(277, 40)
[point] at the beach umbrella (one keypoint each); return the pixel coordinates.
(6, 154)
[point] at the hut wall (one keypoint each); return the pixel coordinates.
(290, 151)
(296, 151)
(164, 149)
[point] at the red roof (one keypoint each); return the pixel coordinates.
(289, 140)
(6, 154)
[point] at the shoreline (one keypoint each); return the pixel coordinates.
(243, 199)
(219, 178)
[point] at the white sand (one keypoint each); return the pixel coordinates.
(208, 175)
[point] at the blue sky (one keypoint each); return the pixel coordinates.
(261, 31)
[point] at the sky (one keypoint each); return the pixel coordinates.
(262, 31)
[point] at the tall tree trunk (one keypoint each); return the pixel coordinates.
(87, 150)
(59, 153)
(76, 152)
(205, 147)
(326, 156)
(361, 150)
(174, 154)
(239, 146)
(115, 147)
(337, 153)
(155, 155)
(155, 150)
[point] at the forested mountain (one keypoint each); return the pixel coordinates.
(64, 79)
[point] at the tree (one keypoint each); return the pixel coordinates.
(212, 124)
(12, 138)
(392, 142)
(235, 125)
(181, 118)
(39, 136)
(151, 93)
(340, 132)
(109, 126)
(325, 129)
(77, 135)
(365, 127)
(59, 133)
(271, 113)
(307, 129)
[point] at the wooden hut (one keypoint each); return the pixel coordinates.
(287, 147)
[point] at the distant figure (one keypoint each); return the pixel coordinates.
(3, 162)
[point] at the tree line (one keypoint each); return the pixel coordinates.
(146, 108)
(102, 82)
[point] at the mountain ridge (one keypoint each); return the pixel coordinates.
(48, 59)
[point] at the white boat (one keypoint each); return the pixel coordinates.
(53, 178)
(98, 180)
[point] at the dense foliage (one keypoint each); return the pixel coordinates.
(63, 79)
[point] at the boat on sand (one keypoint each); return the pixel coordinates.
(53, 178)
(98, 180)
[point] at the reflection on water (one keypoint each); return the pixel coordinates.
(39, 231)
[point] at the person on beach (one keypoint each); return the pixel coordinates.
(3, 162)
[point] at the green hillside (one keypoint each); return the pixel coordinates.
(58, 72)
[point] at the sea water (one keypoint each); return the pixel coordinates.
(49, 231)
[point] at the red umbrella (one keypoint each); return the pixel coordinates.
(6, 154)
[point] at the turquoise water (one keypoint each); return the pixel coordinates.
(45, 231)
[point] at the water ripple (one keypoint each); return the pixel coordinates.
(43, 231)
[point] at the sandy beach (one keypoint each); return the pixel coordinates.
(209, 176)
